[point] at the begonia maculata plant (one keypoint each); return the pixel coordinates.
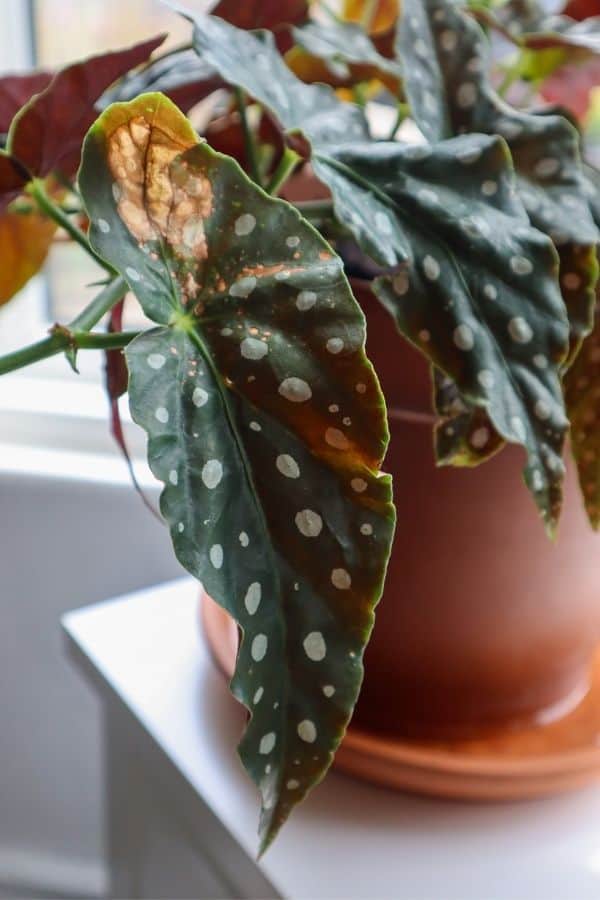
(475, 219)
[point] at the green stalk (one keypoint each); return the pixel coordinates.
(511, 74)
(60, 341)
(359, 95)
(249, 143)
(73, 336)
(322, 209)
(102, 303)
(287, 164)
(53, 211)
(403, 110)
(330, 12)
(110, 340)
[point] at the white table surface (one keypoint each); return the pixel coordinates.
(349, 839)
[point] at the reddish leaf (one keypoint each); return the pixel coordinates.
(226, 136)
(16, 90)
(116, 368)
(13, 179)
(48, 132)
(116, 378)
(183, 78)
(262, 13)
(582, 9)
(271, 14)
(571, 86)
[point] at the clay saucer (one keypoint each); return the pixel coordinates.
(505, 765)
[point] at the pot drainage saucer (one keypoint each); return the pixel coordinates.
(504, 765)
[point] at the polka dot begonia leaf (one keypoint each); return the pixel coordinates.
(451, 93)
(532, 26)
(592, 189)
(275, 503)
(582, 395)
(182, 77)
(582, 391)
(478, 295)
(464, 435)
(252, 61)
(349, 54)
(471, 282)
(446, 57)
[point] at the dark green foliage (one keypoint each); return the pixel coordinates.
(265, 423)
(471, 282)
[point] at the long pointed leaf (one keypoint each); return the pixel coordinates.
(265, 423)
(446, 61)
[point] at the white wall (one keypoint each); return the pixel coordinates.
(63, 544)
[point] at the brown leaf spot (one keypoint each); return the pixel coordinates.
(159, 195)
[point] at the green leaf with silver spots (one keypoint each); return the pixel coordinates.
(251, 60)
(582, 397)
(474, 286)
(478, 295)
(348, 51)
(464, 435)
(265, 423)
(446, 58)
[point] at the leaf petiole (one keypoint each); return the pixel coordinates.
(74, 336)
(249, 142)
(322, 4)
(47, 205)
(402, 113)
(287, 164)
(114, 291)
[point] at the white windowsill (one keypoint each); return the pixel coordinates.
(57, 427)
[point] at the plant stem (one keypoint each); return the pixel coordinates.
(359, 95)
(287, 164)
(61, 340)
(112, 340)
(327, 9)
(114, 291)
(54, 212)
(320, 208)
(251, 154)
(71, 337)
(402, 113)
(510, 76)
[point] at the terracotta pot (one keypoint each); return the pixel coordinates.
(484, 622)
(485, 629)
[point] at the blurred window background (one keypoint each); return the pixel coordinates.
(49, 34)
(64, 31)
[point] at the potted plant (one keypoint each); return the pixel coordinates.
(265, 420)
